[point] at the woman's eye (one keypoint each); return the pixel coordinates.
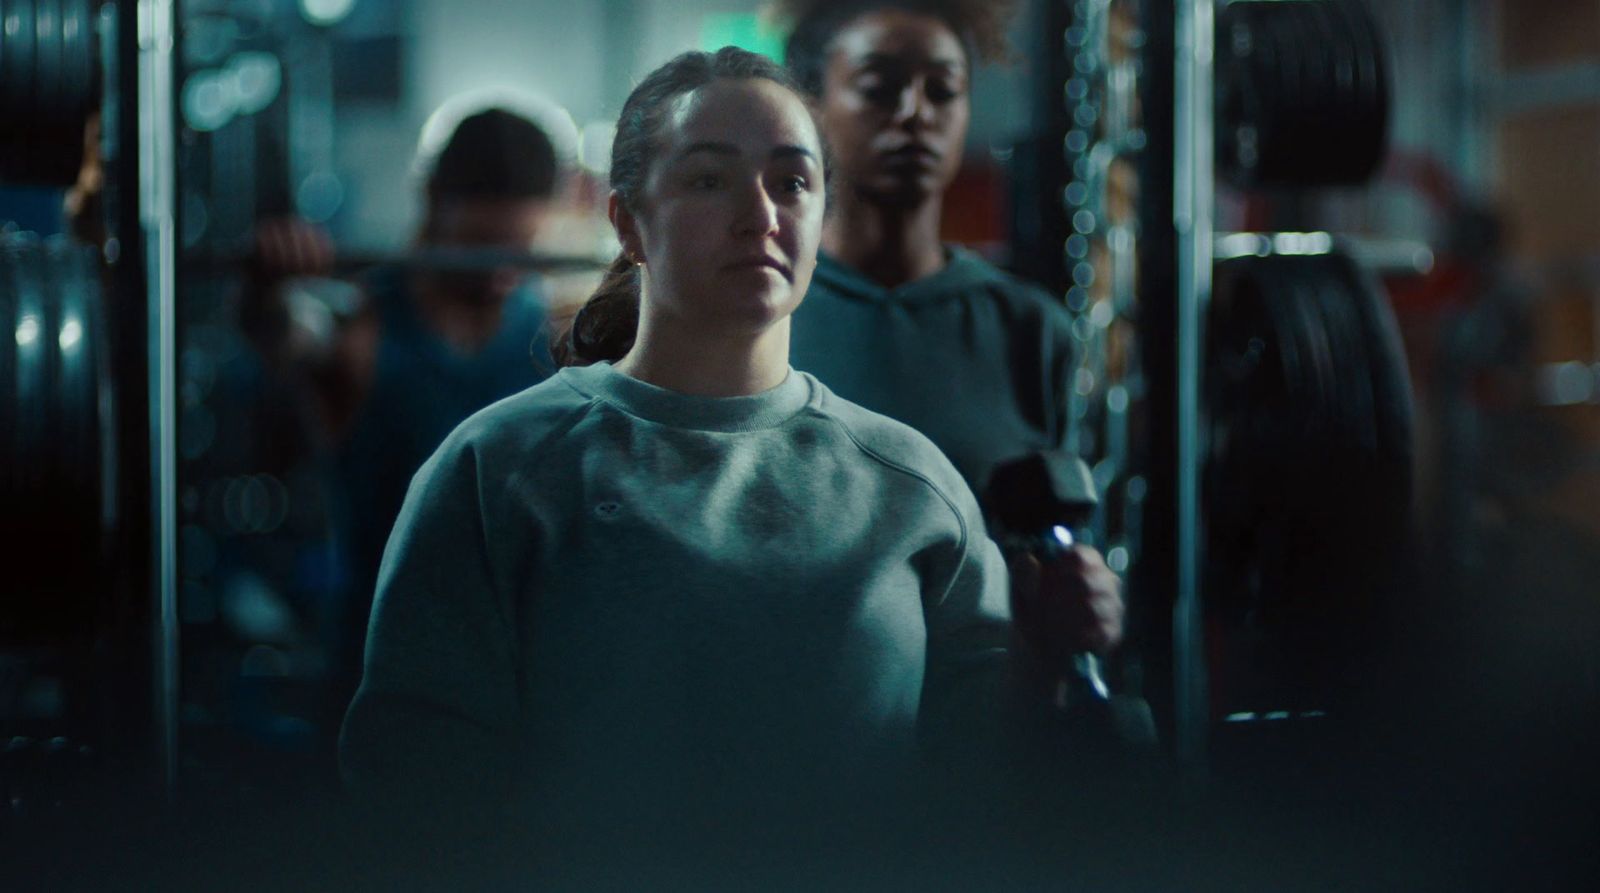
(704, 181)
(879, 91)
(795, 184)
(885, 96)
(941, 92)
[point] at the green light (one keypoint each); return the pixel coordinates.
(745, 30)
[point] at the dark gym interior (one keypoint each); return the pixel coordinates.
(1332, 269)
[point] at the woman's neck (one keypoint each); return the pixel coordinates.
(891, 246)
(671, 354)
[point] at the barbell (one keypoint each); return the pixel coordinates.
(432, 258)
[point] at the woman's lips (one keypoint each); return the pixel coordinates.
(914, 155)
(760, 263)
(911, 149)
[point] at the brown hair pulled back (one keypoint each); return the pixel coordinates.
(608, 322)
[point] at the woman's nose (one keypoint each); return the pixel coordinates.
(758, 213)
(913, 106)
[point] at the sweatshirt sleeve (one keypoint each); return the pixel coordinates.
(972, 698)
(430, 728)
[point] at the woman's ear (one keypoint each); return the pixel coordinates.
(627, 228)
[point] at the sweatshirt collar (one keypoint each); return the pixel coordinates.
(643, 400)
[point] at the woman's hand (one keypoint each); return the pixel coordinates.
(1065, 605)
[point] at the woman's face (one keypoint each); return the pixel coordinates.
(894, 106)
(731, 215)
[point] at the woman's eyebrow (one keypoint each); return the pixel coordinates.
(892, 61)
(793, 152)
(712, 147)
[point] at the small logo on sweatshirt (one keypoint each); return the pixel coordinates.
(608, 511)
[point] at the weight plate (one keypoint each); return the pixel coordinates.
(49, 457)
(1238, 107)
(8, 377)
(1300, 120)
(1310, 95)
(1315, 384)
(77, 58)
(1305, 473)
(1251, 424)
(77, 457)
(87, 279)
(1339, 124)
(1255, 362)
(1393, 412)
(1325, 120)
(1352, 21)
(33, 386)
(1276, 79)
(47, 62)
(1321, 48)
(53, 489)
(99, 342)
(1258, 82)
(19, 51)
(1380, 61)
(1307, 113)
(1355, 297)
(1325, 389)
(1341, 408)
(1371, 68)
(1343, 57)
(1354, 433)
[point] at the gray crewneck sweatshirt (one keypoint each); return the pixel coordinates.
(600, 591)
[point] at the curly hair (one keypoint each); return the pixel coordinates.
(979, 24)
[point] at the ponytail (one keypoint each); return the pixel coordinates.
(607, 323)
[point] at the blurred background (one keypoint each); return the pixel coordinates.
(1379, 614)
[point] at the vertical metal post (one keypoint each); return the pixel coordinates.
(157, 179)
(1152, 581)
(1193, 201)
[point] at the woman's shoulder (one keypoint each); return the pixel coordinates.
(513, 427)
(895, 446)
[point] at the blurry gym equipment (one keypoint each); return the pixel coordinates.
(1302, 93)
(49, 55)
(1230, 384)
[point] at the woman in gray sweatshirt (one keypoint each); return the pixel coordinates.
(680, 574)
